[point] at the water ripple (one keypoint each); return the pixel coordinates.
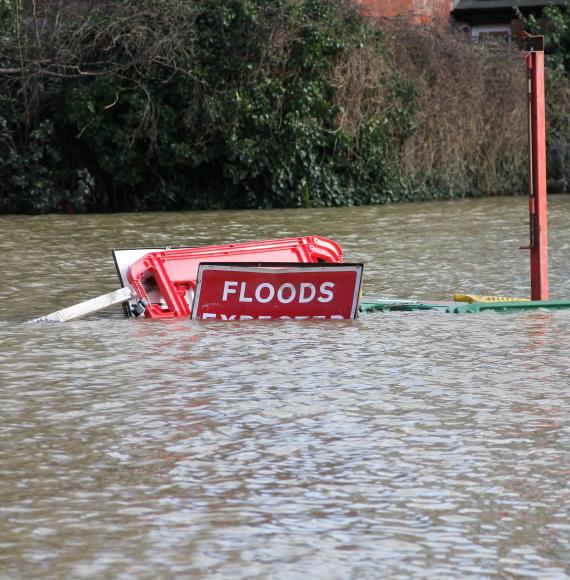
(398, 445)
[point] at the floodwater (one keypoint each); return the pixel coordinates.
(424, 445)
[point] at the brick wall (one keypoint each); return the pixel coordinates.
(419, 11)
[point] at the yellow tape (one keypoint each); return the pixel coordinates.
(471, 298)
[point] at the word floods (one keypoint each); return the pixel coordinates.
(286, 293)
(277, 291)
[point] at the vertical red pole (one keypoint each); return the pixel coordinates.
(537, 178)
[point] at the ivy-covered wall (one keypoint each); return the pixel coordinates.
(171, 104)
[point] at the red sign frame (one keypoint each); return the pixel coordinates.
(276, 290)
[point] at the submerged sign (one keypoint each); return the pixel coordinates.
(277, 291)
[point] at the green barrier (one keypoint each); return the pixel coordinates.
(382, 305)
(461, 308)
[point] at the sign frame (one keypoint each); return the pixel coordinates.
(270, 267)
(124, 258)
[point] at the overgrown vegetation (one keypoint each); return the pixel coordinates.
(470, 134)
(180, 104)
(555, 26)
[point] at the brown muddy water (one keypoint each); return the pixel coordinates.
(403, 445)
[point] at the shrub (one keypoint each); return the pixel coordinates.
(246, 103)
(470, 131)
(171, 104)
(555, 26)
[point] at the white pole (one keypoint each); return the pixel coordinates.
(89, 306)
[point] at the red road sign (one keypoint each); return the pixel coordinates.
(277, 291)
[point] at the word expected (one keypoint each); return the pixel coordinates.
(214, 316)
(286, 293)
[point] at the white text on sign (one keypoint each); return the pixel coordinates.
(286, 293)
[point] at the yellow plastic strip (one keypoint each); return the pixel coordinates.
(472, 298)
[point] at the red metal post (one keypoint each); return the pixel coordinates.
(537, 177)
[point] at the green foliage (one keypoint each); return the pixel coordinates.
(7, 17)
(177, 104)
(33, 181)
(555, 26)
(215, 103)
